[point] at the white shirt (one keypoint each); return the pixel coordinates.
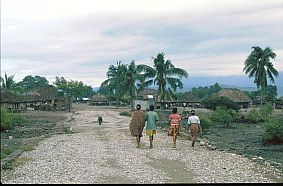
(193, 119)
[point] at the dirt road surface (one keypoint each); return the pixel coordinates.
(107, 153)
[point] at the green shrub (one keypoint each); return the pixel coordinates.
(5, 151)
(205, 122)
(260, 115)
(125, 113)
(274, 130)
(6, 120)
(266, 111)
(221, 116)
(254, 116)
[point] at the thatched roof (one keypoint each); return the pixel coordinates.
(234, 94)
(43, 93)
(148, 91)
(98, 97)
(7, 97)
(47, 92)
(189, 97)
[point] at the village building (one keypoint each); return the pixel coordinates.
(39, 98)
(235, 95)
(99, 100)
(8, 100)
(189, 100)
(145, 98)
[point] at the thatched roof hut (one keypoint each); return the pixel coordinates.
(98, 100)
(46, 93)
(189, 97)
(7, 97)
(235, 95)
(98, 97)
(8, 100)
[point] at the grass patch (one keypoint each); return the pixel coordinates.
(5, 151)
(21, 161)
(29, 128)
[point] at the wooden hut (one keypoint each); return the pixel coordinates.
(235, 95)
(8, 100)
(189, 100)
(99, 100)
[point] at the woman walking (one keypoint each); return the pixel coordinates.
(175, 125)
(194, 126)
(137, 124)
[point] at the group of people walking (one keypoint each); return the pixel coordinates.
(140, 119)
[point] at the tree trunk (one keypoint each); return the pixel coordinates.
(261, 95)
(117, 104)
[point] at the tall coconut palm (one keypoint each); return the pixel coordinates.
(134, 79)
(167, 77)
(258, 65)
(115, 76)
(8, 82)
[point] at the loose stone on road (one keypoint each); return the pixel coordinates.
(107, 153)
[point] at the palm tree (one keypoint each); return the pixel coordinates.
(167, 77)
(126, 80)
(258, 65)
(115, 76)
(134, 79)
(8, 82)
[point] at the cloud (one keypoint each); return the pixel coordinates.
(80, 39)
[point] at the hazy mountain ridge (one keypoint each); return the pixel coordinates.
(243, 83)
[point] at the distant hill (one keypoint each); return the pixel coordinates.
(242, 83)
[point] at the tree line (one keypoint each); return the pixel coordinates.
(69, 88)
(124, 81)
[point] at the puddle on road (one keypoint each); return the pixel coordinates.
(175, 170)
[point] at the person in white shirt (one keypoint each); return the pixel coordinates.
(194, 126)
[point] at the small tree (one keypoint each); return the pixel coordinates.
(222, 116)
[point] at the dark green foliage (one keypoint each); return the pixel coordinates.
(73, 88)
(260, 115)
(6, 120)
(222, 116)
(205, 122)
(274, 130)
(205, 92)
(30, 82)
(5, 151)
(254, 116)
(213, 102)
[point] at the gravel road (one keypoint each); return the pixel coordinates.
(107, 153)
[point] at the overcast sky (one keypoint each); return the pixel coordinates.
(79, 39)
